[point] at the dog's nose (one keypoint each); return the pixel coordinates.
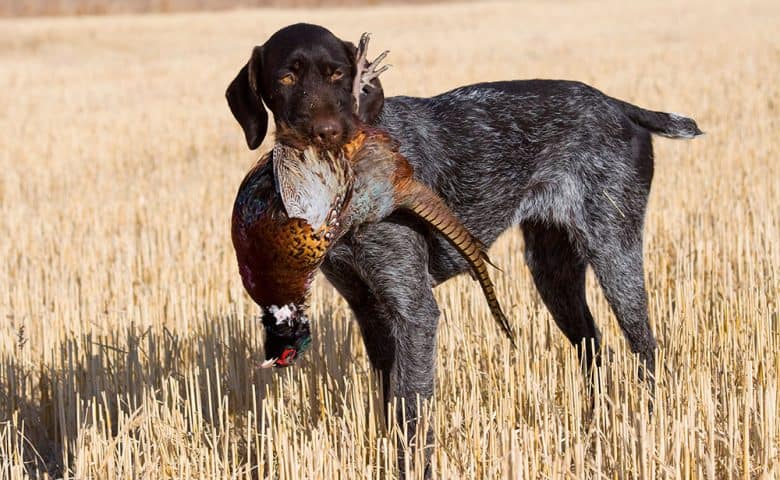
(327, 131)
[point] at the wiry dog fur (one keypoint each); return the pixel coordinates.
(567, 164)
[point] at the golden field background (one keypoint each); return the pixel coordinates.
(23, 8)
(127, 344)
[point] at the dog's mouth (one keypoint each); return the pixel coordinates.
(301, 137)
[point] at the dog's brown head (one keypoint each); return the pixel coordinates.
(304, 74)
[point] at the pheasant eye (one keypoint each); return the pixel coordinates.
(287, 80)
(336, 75)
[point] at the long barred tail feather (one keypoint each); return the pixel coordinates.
(419, 199)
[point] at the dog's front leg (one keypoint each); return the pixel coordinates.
(412, 375)
(392, 258)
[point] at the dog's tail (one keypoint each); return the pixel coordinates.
(668, 125)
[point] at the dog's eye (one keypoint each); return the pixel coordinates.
(287, 80)
(336, 75)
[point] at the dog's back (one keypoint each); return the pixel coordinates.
(504, 152)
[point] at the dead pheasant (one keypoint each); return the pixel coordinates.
(281, 240)
(299, 199)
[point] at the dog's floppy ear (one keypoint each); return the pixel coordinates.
(372, 100)
(245, 101)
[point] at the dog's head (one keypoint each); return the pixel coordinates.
(304, 74)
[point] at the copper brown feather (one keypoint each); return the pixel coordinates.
(279, 251)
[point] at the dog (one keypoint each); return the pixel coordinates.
(569, 165)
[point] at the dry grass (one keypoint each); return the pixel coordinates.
(126, 337)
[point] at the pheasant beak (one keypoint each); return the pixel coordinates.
(268, 363)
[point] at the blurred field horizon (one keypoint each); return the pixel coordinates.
(42, 8)
(128, 347)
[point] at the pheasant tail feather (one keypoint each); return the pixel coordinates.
(419, 199)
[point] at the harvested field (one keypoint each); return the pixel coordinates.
(127, 342)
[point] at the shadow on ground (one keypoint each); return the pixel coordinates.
(121, 370)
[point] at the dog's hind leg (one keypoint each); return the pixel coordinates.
(617, 262)
(558, 271)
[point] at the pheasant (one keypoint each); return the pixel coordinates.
(299, 199)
